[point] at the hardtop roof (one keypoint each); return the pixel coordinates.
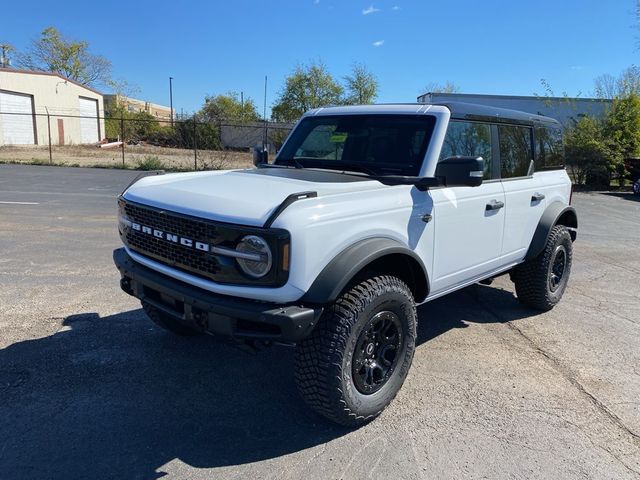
(475, 111)
(459, 111)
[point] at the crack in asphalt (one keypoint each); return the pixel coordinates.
(600, 305)
(566, 373)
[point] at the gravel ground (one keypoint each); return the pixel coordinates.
(89, 388)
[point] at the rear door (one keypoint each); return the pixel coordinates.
(524, 197)
(16, 119)
(469, 221)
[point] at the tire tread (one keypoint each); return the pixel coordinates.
(319, 357)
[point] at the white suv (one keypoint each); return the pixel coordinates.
(365, 213)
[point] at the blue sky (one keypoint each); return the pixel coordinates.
(210, 47)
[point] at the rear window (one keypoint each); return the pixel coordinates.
(549, 147)
(516, 153)
(376, 144)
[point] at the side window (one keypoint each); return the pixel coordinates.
(515, 150)
(549, 147)
(468, 139)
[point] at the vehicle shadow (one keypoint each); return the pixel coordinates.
(624, 195)
(116, 397)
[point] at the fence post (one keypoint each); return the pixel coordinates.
(122, 139)
(49, 130)
(195, 145)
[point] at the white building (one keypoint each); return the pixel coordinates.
(26, 97)
(563, 109)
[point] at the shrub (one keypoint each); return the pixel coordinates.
(150, 162)
(165, 137)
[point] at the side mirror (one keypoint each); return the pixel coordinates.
(461, 171)
(260, 156)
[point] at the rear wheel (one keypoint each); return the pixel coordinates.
(167, 322)
(541, 281)
(636, 187)
(356, 360)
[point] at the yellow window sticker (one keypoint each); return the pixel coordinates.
(339, 137)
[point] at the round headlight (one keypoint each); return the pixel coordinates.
(257, 259)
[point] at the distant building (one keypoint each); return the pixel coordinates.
(563, 109)
(26, 97)
(134, 105)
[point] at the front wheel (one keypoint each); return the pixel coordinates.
(636, 187)
(541, 281)
(356, 360)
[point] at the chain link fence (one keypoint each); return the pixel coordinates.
(150, 144)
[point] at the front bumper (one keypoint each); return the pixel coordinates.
(214, 313)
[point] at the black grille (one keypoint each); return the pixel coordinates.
(176, 255)
(220, 268)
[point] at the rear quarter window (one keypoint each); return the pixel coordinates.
(549, 147)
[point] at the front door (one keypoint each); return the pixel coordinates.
(469, 225)
(468, 221)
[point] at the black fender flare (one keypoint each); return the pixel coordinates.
(340, 271)
(556, 213)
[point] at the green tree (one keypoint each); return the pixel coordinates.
(229, 107)
(622, 132)
(306, 88)
(587, 154)
(361, 86)
(71, 58)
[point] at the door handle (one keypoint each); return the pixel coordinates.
(494, 205)
(536, 197)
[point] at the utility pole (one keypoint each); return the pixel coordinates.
(264, 115)
(171, 98)
(242, 107)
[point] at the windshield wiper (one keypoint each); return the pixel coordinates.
(358, 167)
(293, 162)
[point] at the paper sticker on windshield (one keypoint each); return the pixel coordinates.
(339, 137)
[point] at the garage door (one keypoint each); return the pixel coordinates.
(16, 119)
(89, 120)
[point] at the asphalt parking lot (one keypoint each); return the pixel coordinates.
(89, 388)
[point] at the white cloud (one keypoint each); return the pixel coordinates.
(369, 10)
(378, 43)
(395, 8)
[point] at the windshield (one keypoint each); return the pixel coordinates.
(373, 144)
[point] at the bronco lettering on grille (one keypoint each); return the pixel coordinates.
(171, 237)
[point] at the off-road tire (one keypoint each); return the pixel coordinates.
(533, 278)
(167, 322)
(324, 372)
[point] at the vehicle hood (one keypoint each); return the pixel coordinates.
(244, 197)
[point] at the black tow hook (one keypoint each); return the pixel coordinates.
(125, 285)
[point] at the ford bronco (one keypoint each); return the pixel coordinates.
(365, 213)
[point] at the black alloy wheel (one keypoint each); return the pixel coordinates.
(376, 354)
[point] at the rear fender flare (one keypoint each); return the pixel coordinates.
(556, 213)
